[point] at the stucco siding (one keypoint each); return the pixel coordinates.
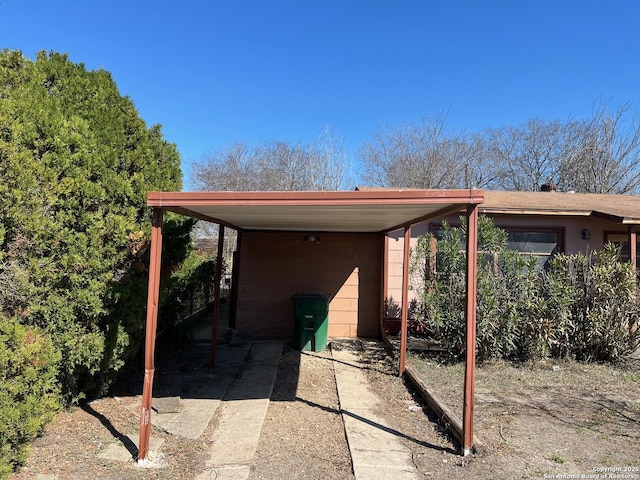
(571, 228)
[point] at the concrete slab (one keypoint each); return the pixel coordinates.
(242, 414)
(166, 404)
(376, 449)
(376, 472)
(225, 472)
(191, 421)
(194, 414)
(124, 451)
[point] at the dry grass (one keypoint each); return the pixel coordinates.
(550, 416)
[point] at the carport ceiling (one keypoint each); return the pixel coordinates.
(342, 211)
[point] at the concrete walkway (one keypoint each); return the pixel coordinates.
(242, 414)
(191, 416)
(239, 392)
(376, 451)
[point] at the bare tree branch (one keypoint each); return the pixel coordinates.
(423, 155)
(606, 158)
(276, 165)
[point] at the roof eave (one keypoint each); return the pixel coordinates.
(284, 198)
(536, 211)
(354, 210)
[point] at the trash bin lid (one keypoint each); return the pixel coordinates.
(312, 296)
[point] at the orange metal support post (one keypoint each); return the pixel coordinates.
(405, 301)
(633, 246)
(384, 283)
(150, 334)
(633, 258)
(470, 316)
(216, 297)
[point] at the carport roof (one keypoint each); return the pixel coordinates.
(334, 211)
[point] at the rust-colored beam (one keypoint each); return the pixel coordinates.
(200, 216)
(633, 254)
(443, 212)
(384, 284)
(170, 200)
(405, 300)
(451, 421)
(633, 246)
(235, 280)
(150, 334)
(470, 317)
(216, 297)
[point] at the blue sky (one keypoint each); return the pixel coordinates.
(216, 72)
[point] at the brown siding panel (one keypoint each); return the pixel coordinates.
(276, 265)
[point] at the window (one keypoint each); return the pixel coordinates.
(542, 243)
(621, 240)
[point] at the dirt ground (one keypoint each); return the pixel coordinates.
(549, 418)
(537, 421)
(303, 435)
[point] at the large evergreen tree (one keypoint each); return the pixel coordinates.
(76, 162)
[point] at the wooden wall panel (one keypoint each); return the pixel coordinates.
(276, 265)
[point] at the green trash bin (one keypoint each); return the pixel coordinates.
(311, 321)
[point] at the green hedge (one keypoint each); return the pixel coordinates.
(581, 306)
(189, 289)
(29, 392)
(76, 163)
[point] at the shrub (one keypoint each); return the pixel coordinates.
(583, 306)
(502, 284)
(593, 304)
(29, 393)
(189, 288)
(438, 291)
(76, 162)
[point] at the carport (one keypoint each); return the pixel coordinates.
(310, 216)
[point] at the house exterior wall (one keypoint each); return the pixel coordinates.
(571, 227)
(273, 266)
